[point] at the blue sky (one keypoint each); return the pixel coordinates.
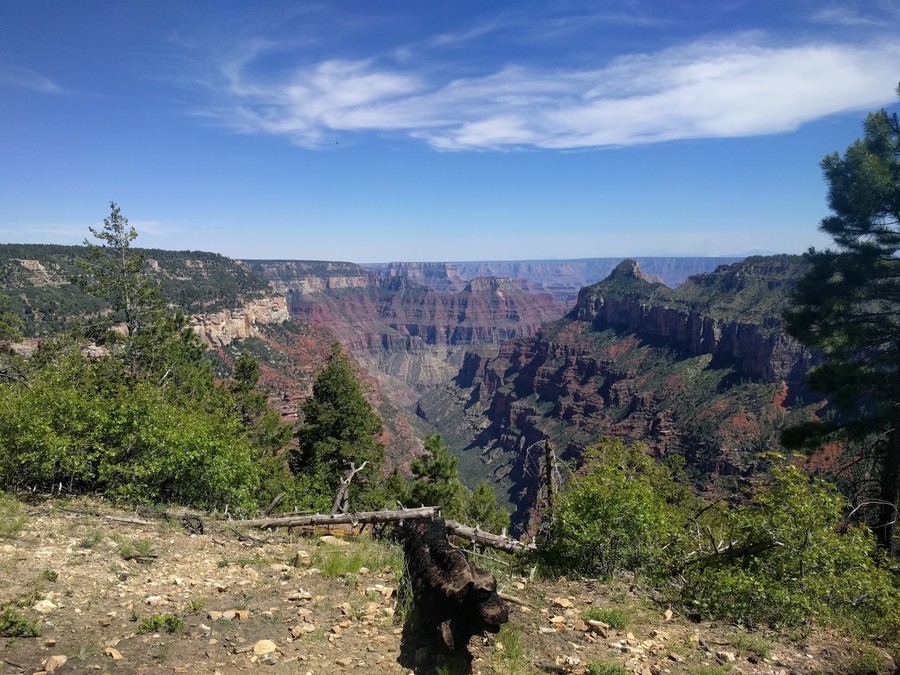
(379, 131)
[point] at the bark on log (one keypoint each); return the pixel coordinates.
(455, 600)
(487, 539)
(341, 518)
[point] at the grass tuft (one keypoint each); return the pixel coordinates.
(616, 618)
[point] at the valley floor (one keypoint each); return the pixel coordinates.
(246, 601)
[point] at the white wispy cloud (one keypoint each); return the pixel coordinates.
(23, 78)
(734, 88)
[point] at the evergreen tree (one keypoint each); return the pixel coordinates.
(482, 509)
(436, 479)
(848, 305)
(339, 428)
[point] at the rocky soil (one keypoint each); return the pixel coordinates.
(231, 601)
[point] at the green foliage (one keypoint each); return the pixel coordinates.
(336, 561)
(48, 575)
(339, 430)
(751, 644)
(797, 563)
(511, 655)
(616, 618)
(598, 668)
(13, 624)
(870, 662)
(436, 479)
(436, 482)
(135, 549)
(10, 324)
(169, 623)
(623, 511)
(12, 520)
(482, 510)
(91, 539)
(145, 421)
(848, 304)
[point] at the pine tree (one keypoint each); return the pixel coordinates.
(436, 479)
(339, 427)
(848, 305)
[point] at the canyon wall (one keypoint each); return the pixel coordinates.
(713, 381)
(221, 328)
(561, 279)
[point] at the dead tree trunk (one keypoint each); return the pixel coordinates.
(341, 518)
(342, 498)
(454, 598)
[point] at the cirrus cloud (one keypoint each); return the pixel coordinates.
(701, 90)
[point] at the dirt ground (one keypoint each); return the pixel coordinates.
(228, 601)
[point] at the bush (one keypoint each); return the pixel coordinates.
(623, 511)
(798, 563)
(13, 624)
(170, 623)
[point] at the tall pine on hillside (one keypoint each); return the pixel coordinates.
(339, 428)
(848, 305)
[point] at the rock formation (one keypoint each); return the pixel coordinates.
(221, 328)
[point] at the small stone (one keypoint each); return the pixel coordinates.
(725, 657)
(557, 619)
(153, 600)
(299, 595)
(667, 615)
(264, 647)
(301, 559)
(544, 630)
(51, 663)
(178, 581)
(346, 661)
(677, 658)
(114, 653)
(44, 606)
(268, 659)
(49, 643)
(563, 603)
(599, 627)
(243, 649)
(214, 615)
(363, 570)
(331, 539)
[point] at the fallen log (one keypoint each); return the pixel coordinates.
(363, 517)
(487, 539)
(454, 599)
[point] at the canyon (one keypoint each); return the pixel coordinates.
(686, 355)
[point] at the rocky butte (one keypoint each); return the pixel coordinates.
(703, 371)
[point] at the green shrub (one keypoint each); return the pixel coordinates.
(92, 539)
(169, 623)
(791, 561)
(623, 511)
(13, 624)
(136, 549)
(750, 644)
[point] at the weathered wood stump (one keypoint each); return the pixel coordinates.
(453, 598)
